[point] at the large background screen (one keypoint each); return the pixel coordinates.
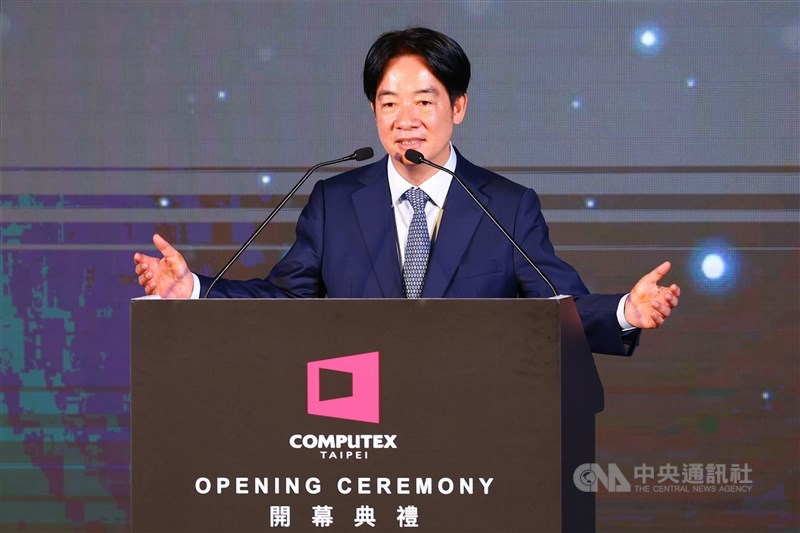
(651, 130)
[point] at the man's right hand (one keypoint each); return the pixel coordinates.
(168, 277)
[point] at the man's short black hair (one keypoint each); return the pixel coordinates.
(444, 57)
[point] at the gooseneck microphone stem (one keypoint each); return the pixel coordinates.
(359, 155)
(416, 157)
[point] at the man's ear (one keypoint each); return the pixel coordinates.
(459, 109)
(372, 106)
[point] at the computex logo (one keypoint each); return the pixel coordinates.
(361, 373)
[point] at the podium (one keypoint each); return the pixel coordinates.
(354, 415)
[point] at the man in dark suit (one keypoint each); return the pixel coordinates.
(394, 229)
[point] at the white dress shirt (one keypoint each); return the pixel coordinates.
(435, 187)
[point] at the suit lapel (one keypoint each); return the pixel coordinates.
(373, 207)
(459, 221)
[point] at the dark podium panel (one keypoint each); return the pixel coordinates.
(456, 415)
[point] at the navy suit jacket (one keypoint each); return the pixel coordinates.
(346, 247)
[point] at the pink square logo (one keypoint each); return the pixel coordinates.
(364, 404)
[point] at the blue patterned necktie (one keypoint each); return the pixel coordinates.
(418, 245)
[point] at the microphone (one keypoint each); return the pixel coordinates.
(361, 154)
(417, 158)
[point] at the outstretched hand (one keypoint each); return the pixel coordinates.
(649, 303)
(168, 277)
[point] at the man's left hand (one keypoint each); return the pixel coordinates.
(649, 304)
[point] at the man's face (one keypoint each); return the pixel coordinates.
(412, 110)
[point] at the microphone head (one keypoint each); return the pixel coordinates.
(414, 156)
(363, 153)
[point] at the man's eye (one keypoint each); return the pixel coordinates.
(387, 105)
(425, 102)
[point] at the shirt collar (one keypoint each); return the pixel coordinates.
(435, 187)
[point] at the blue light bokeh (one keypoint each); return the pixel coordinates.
(714, 267)
(648, 39)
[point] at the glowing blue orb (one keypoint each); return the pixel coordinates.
(691, 82)
(265, 179)
(590, 203)
(577, 103)
(766, 395)
(221, 95)
(713, 266)
(648, 39)
(164, 202)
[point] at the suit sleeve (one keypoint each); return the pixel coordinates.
(597, 311)
(298, 274)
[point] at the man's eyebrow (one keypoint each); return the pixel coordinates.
(427, 90)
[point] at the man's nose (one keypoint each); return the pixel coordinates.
(407, 117)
